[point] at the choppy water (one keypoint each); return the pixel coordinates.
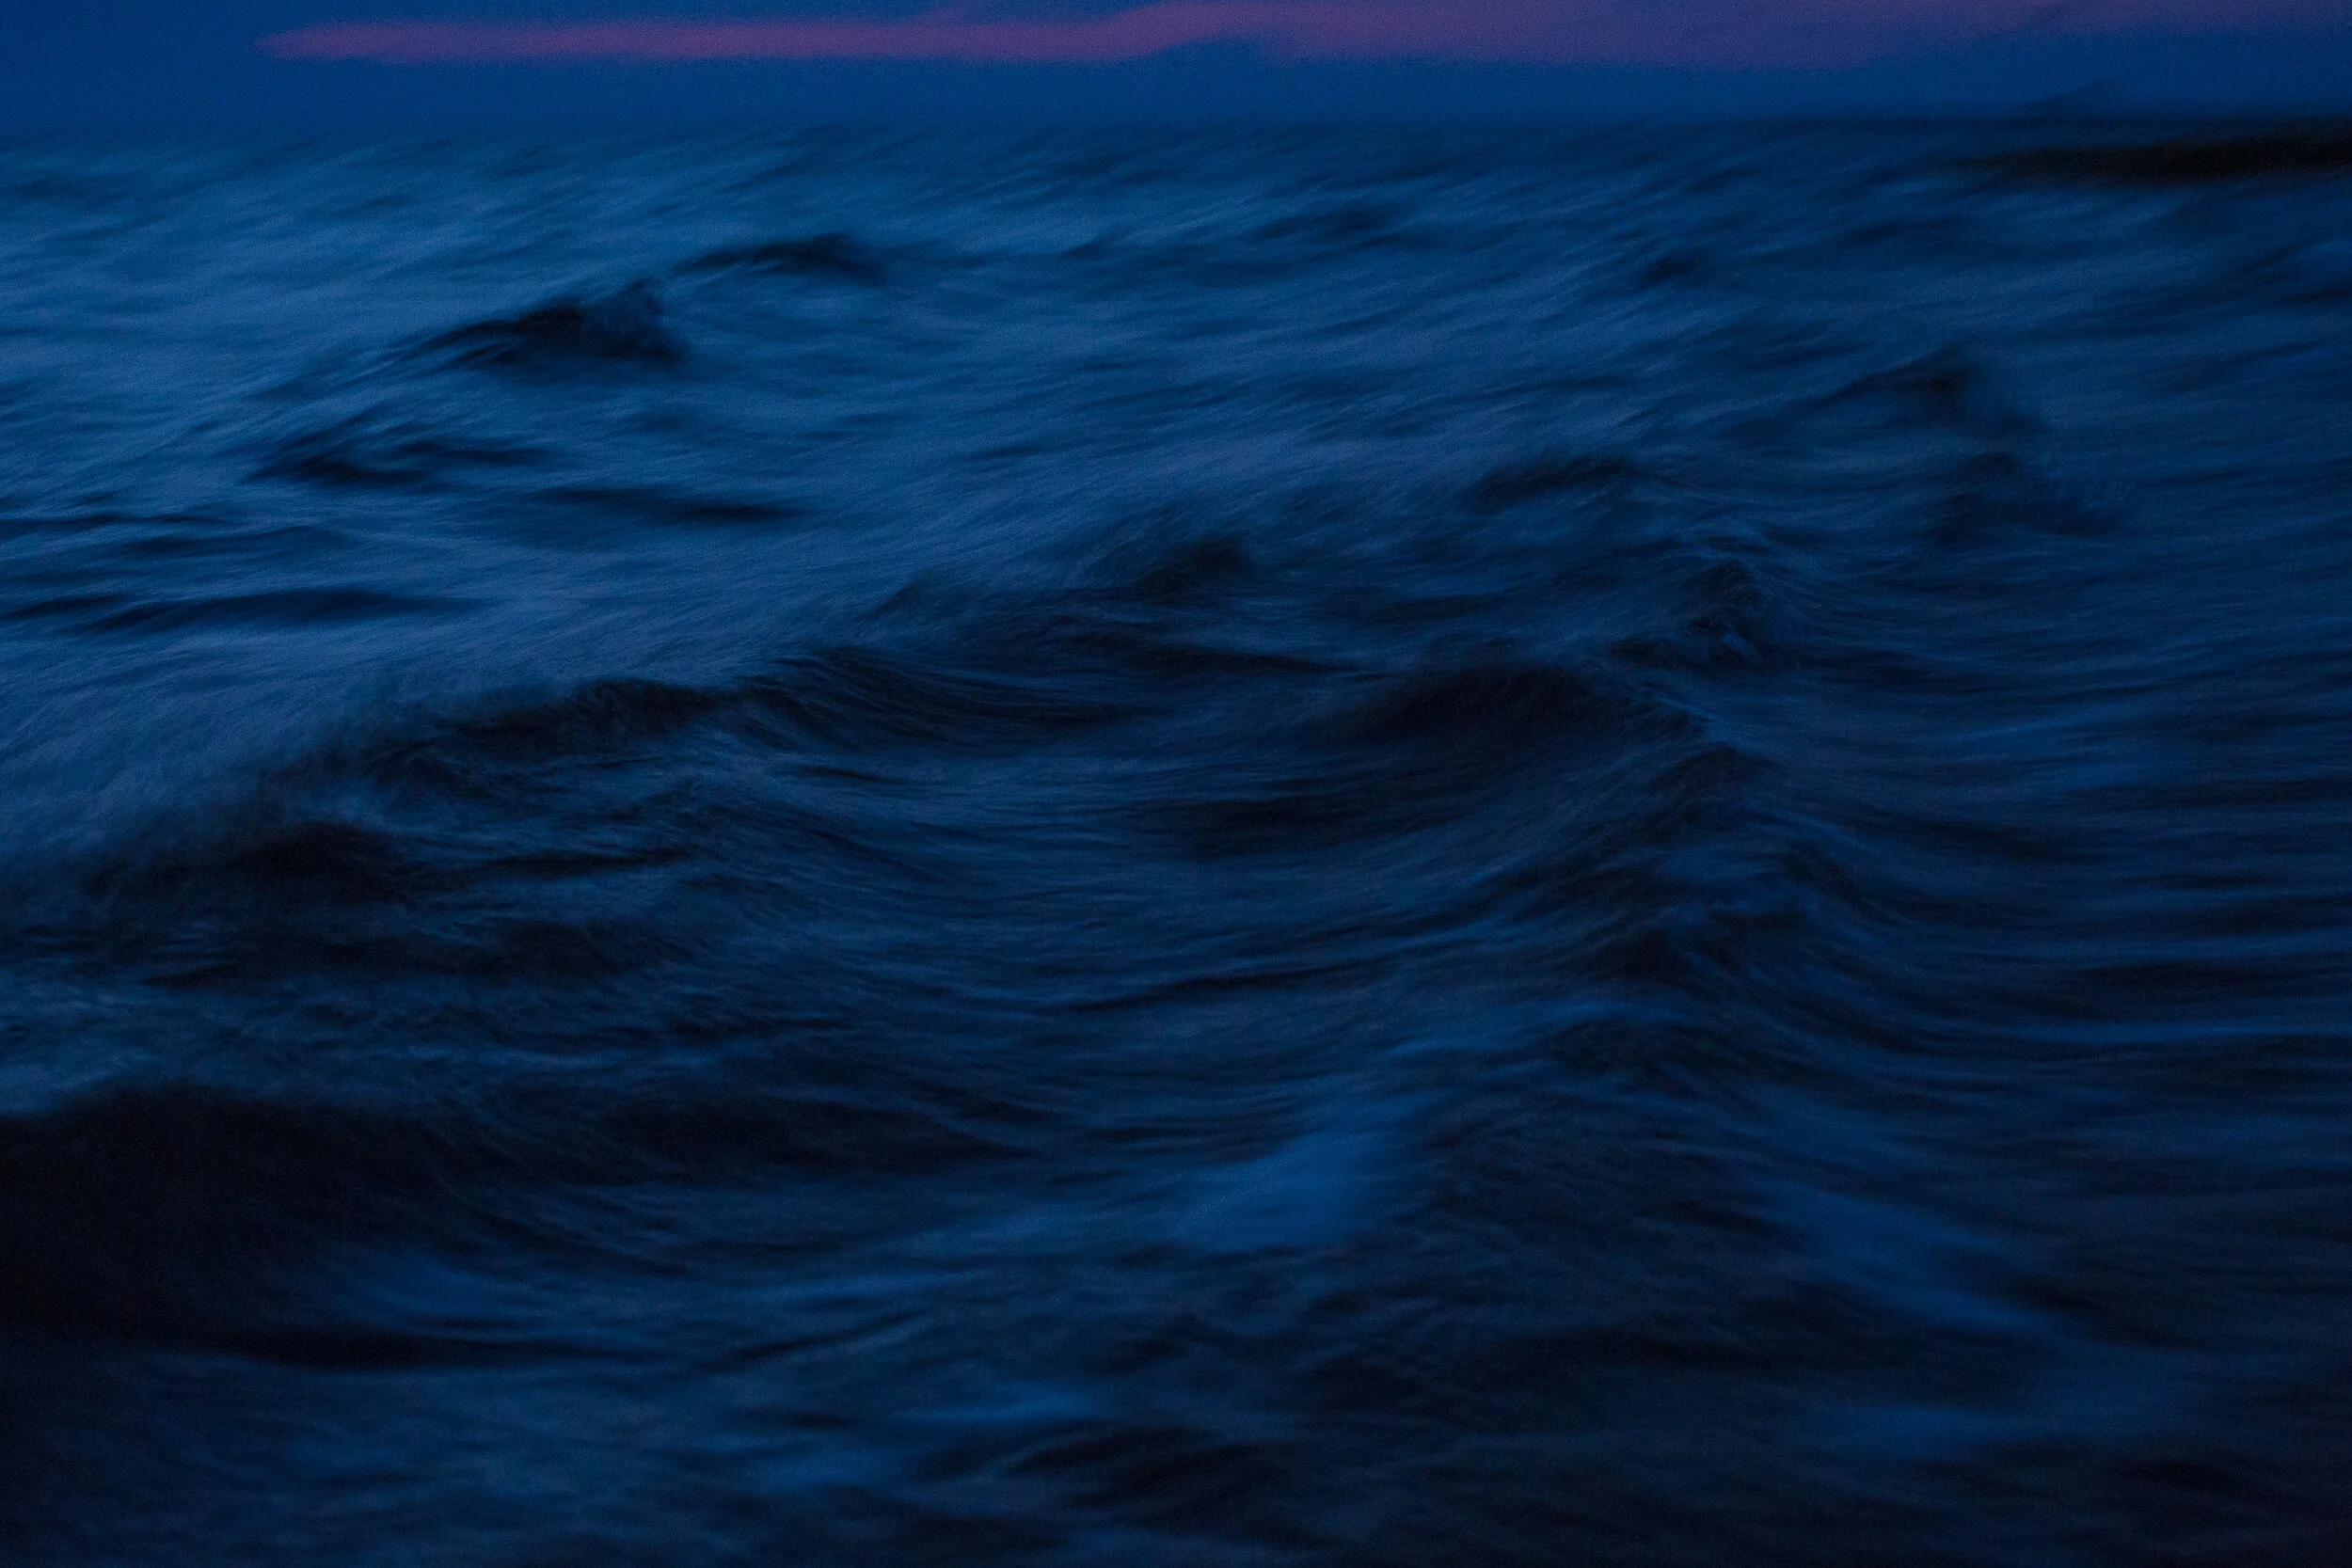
(1390, 848)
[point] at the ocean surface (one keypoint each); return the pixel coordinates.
(1254, 848)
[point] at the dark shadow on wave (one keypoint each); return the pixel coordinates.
(1510, 484)
(290, 608)
(352, 457)
(1996, 495)
(1949, 388)
(324, 859)
(1353, 226)
(846, 698)
(1733, 622)
(1187, 572)
(1502, 704)
(188, 1217)
(851, 697)
(269, 897)
(623, 327)
(1423, 749)
(171, 1216)
(659, 504)
(295, 883)
(1171, 1477)
(830, 255)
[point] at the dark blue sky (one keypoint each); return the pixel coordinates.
(104, 65)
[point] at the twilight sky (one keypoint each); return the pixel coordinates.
(106, 64)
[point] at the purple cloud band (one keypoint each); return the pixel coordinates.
(1765, 32)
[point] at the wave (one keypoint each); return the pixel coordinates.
(658, 504)
(1324, 847)
(833, 256)
(1499, 703)
(288, 608)
(188, 1217)
(1513, 483)
(1734, 621)
(624, 326)
(372, 455)
(844, 698)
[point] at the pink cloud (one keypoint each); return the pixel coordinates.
(1664, 32)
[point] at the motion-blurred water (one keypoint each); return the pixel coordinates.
(1386, 849)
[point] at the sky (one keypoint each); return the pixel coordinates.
(105, 65)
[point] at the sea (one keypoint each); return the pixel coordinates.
(1357, 847)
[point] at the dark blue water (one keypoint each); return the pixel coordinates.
(1248, 848)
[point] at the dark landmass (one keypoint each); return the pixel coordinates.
(2288, 150)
